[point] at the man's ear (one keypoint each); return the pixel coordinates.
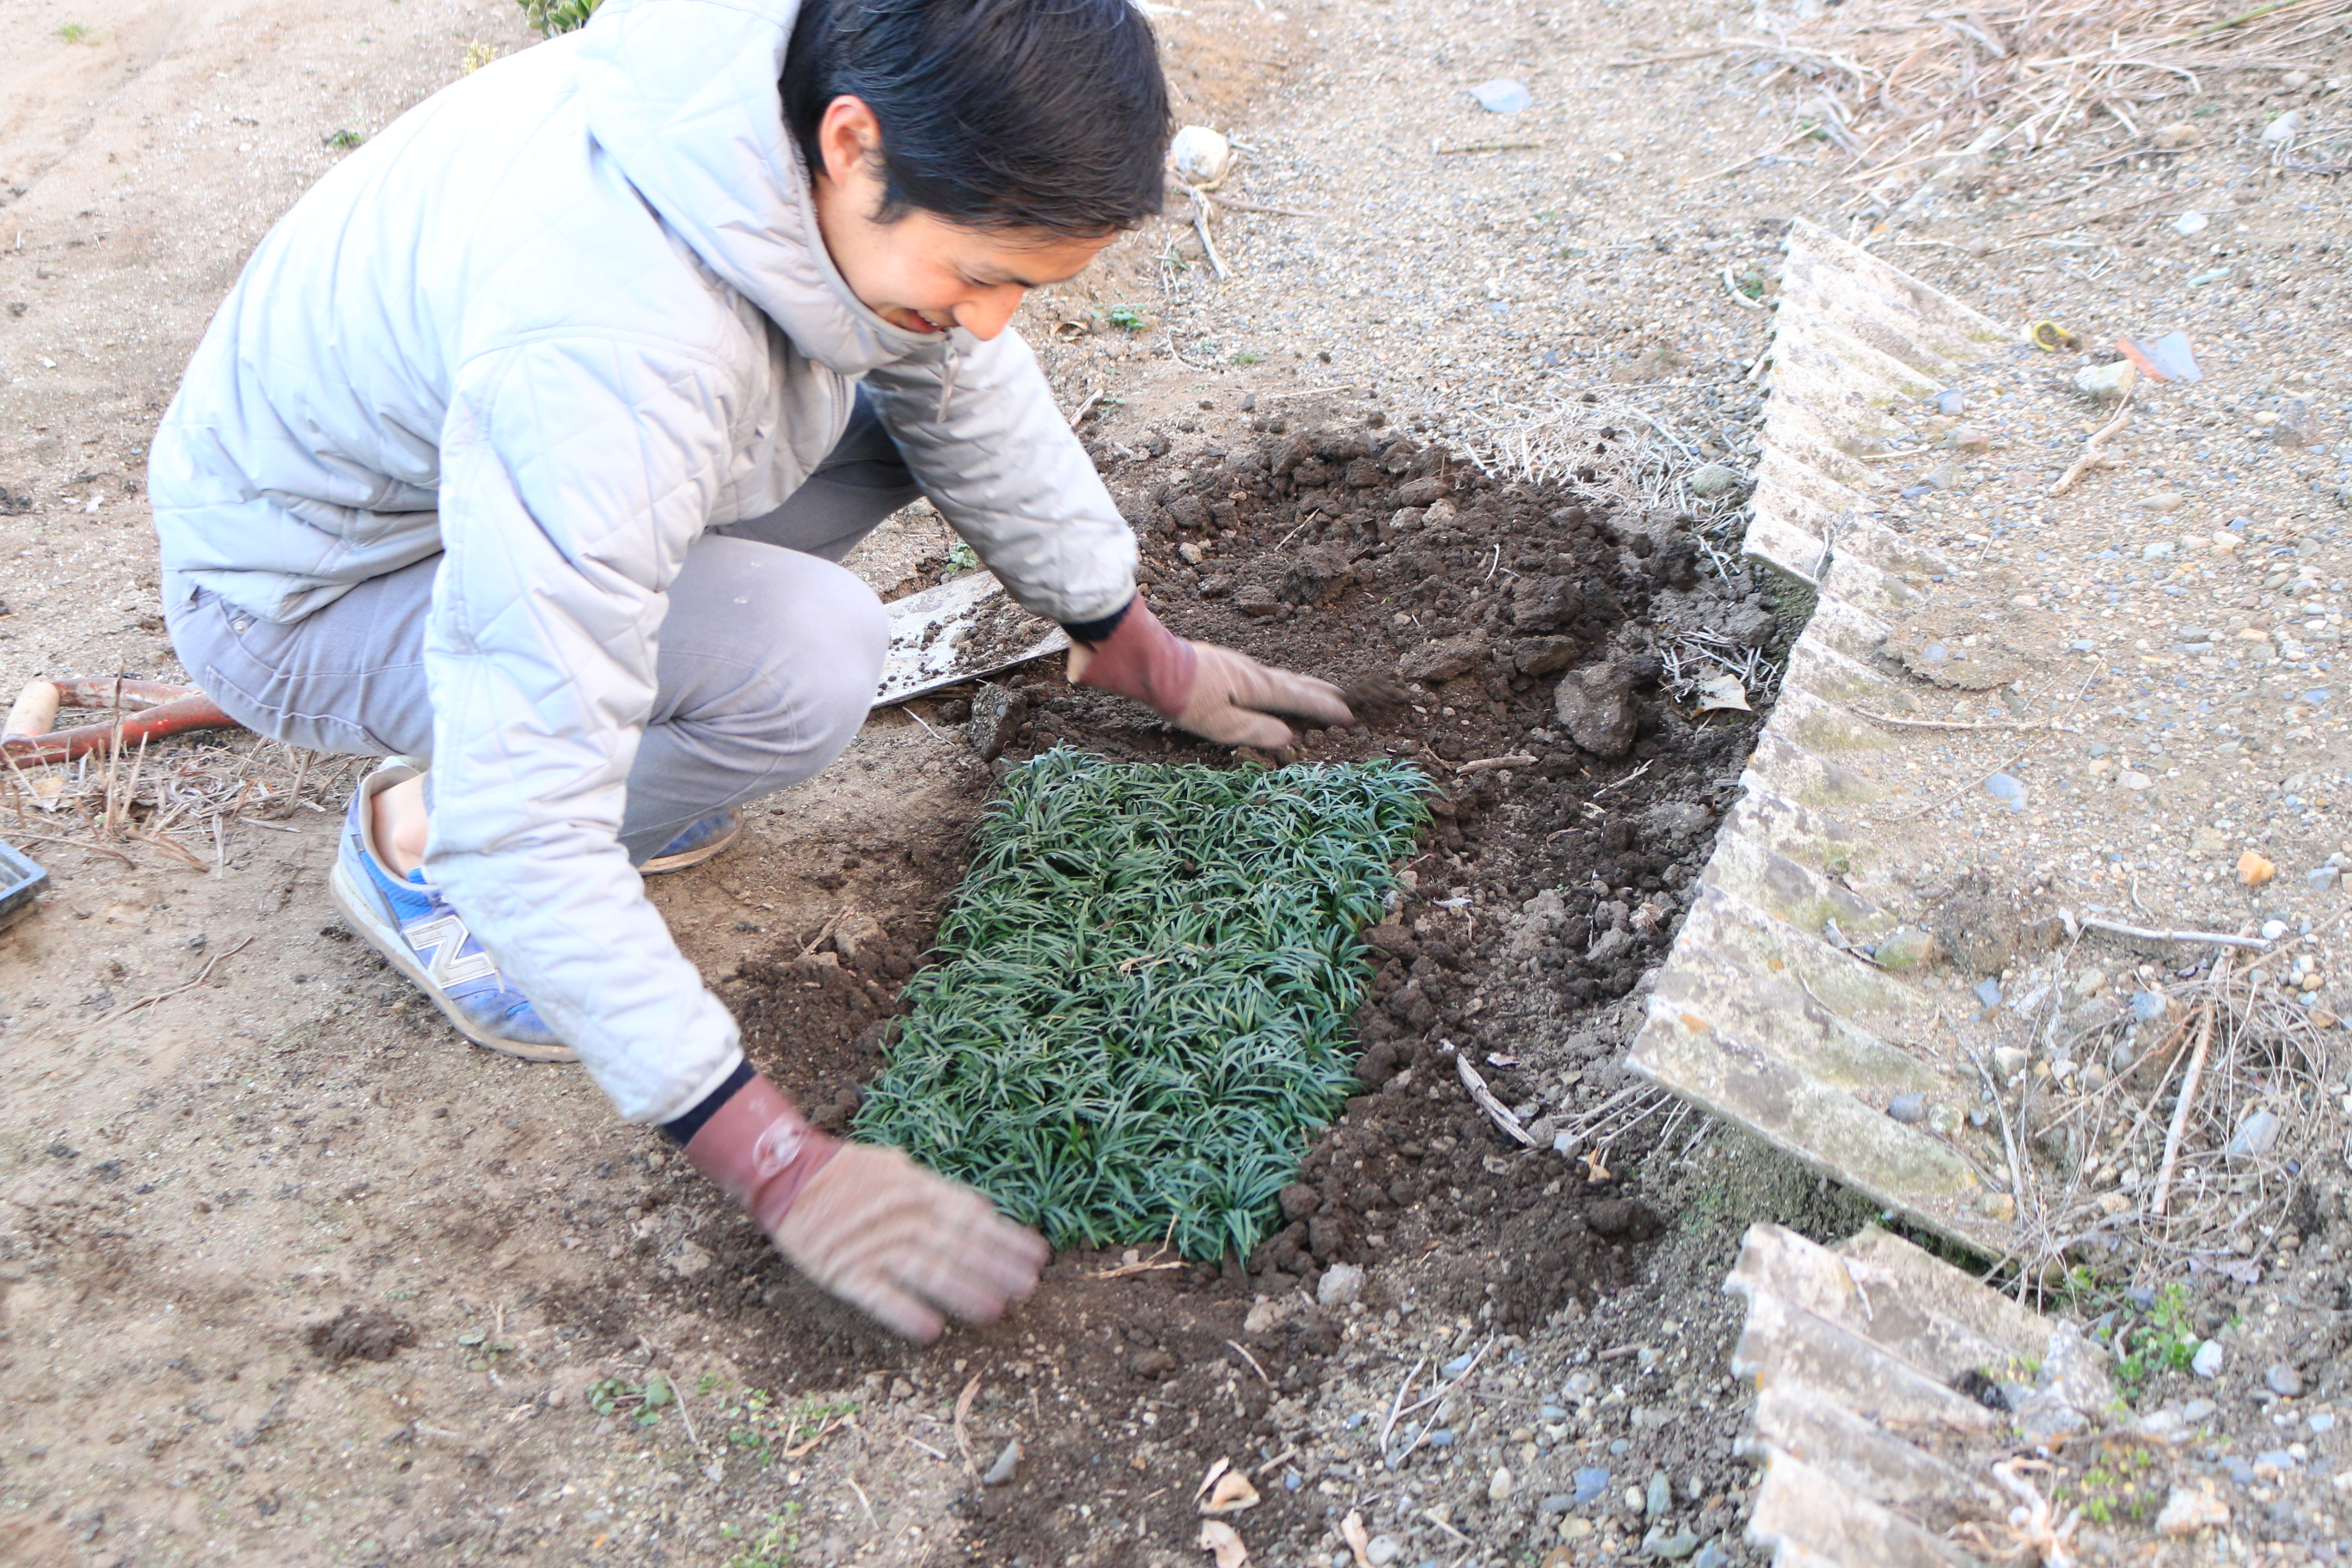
(849, 136)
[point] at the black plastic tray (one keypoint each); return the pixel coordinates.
(21, 881)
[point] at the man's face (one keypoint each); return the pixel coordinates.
(921, 272)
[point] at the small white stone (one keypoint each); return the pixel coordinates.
(1200, 156)
(1340, 1286)
(2189, 1509)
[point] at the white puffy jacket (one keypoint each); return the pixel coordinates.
(556, 322)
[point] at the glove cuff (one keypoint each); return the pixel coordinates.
(1141, 658)
(760, 1151)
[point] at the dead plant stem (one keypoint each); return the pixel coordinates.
(2190, 1083)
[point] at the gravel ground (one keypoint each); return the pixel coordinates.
(1452, 283)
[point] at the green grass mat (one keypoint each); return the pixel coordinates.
(1140, 1014)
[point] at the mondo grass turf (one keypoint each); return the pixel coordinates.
(1139, 1017)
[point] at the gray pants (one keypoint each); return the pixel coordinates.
(770, 656)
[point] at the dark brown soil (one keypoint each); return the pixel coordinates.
(1150, 1373)
(356, 1335)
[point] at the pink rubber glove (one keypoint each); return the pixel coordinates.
(866, 1224)
(1213, 691)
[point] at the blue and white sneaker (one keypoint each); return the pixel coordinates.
(419, 934)
(696, 843)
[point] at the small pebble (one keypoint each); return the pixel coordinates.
(1712, 480)
(2273, 929)
(1442, 1438)
(1341, 1285)
(1909, 1109)
(2197, 1410)
(2284, 1381)
(2254, 1137)
(1660, 1496)
(1590, 1484)
(2189, 1509)
(2010, 791)
(2321, 1421)
(1380, 1551)
(1498, 1486)
(1006, 1463)
(2147, 1006)
(1673, 1548)
(2206, 1362)
(1459, 1364)
(1989, 993)
(1501, 96)
(2107, 383)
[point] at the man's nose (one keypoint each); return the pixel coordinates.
(985, 314)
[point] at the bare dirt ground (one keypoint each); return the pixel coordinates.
(189, 1188)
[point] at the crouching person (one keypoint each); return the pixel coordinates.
(523, 454)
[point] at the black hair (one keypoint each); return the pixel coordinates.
(1047, 114)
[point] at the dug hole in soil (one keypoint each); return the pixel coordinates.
(1550, 889)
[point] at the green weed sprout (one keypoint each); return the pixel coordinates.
(554, 17)
(1141, 1017)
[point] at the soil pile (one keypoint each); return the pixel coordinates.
(1562, 858)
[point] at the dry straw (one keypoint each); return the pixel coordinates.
(2139, 1149)
(174, 800)
(1904, 88)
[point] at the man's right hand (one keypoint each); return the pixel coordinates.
(866, 1224)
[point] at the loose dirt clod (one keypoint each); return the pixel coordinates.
(1376, 699)
(354, 1334)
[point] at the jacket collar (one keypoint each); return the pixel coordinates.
(683, 96)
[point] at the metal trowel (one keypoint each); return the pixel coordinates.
(964, 629)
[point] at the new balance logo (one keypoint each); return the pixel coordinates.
(443, 938)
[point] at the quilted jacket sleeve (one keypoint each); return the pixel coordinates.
(575, 474)
(986, 442)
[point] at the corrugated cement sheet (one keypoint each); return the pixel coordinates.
(1759, 1015)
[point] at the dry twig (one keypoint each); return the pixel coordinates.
(2141, 933)
(2082, 464)
(2188, 1086)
